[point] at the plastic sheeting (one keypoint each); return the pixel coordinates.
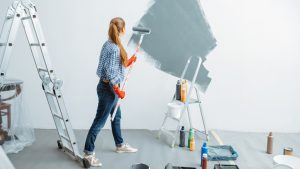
(16, 132)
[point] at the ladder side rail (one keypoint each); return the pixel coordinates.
(185, 68)
(202, 114)
(68, 126)
(191, 87)
(34, 50)
(41, 42)
(8, 44)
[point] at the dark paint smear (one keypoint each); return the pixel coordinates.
(179, 30)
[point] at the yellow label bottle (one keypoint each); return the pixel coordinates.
(183, 91)
(192, 144)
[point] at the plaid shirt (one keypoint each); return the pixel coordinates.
(110, 67)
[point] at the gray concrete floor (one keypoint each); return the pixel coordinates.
(44, 154)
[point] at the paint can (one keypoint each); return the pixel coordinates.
(288, 151)
(175, 108)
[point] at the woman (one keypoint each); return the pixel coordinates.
(113, 61)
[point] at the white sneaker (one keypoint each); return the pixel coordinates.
(126, 148)
(92, 160)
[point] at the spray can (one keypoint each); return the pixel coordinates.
(270, 143)
(204, 150)
(191, 135)
(204, 161)
(183, 91)
(182, 137)
(178, 90)
(192, 144)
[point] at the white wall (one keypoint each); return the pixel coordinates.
(255, 84)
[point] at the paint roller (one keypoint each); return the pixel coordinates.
(140, 31)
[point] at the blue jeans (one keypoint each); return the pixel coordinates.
(106, 105)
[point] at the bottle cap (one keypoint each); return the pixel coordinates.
(182, 128)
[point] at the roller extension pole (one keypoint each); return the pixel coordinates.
(142, 32)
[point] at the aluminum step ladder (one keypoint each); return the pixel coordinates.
(174, 134)
(26, 12)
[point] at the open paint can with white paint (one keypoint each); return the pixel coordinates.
(174, 109)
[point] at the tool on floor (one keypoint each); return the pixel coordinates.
(225, 166)
(139, 166)
(221, 153)
(288, 151)
(182, 137)
(270, 143)
(185, 107)
(170, 166)
(142, 32)
(25, 12)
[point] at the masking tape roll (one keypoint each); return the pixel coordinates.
(288, 151)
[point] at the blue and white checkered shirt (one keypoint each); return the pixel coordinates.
(110, 66)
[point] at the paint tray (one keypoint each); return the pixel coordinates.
(221, 153)
(223, 166)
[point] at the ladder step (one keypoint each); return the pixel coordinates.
(49, 93)
(194, 101)
(171, 117)
(37, 44)
(65, 138)
(9, 17)
(42, 69)
(27, 17)
(5, 44)
(58, 116)
(168, 132)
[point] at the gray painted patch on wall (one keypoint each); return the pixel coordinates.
(179, 30)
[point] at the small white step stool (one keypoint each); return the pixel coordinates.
(185, 107)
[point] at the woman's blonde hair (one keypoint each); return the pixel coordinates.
(116, 26)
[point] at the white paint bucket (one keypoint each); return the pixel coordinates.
(174, 109)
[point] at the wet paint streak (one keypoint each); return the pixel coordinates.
(179, 30)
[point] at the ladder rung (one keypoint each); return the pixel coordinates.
(66, 138)
(37, 44)
(193, 101)
(42, 69)
(5, 44)
(57, 116)
(9, 17)
(168, 132)
(171, 117)
(52, 94)
(27, 17)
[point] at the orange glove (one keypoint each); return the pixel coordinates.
(131, 60)
(119, 92)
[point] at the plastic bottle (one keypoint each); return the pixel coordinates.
(178, 90)
(270, 143)
(204, 161)
(192, 144)
(182, 137)
(191, 135)
(183, 91)
(204, 150)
